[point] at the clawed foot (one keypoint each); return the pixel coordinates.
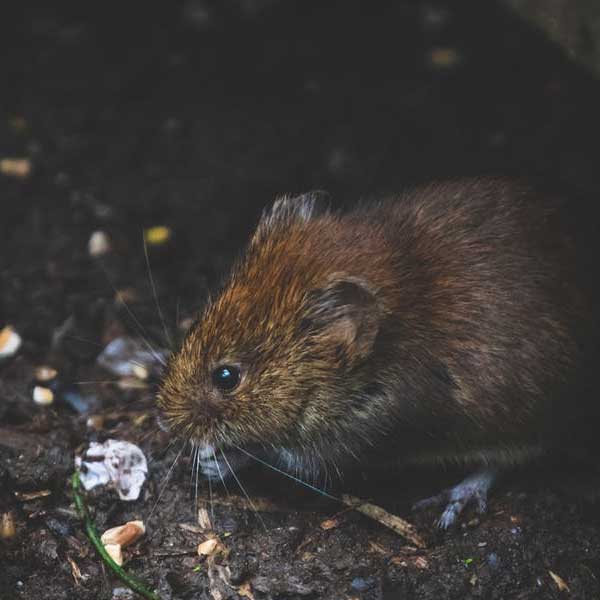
(473, 489)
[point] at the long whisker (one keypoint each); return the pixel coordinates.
(141, 330)
(244, 491)
(152, 284)
(212, 504)
(166, 480)
(220, 473)
(292, 477)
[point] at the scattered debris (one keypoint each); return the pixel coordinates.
(444, 58)
(208, 547)
(98, 244)
(10, 342)
(95, 422)
(561, 584)
(204, 519)
(75, 571)
(329, 524)
(28, 496)
(127, 357)
(115, 552)
(156, 236)
(8, 528)
(119, 463)
(43, 396)
(15, 167)
(44, 374)
(395, 523)
(124, 535)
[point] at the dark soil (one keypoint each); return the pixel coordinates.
(195, 116)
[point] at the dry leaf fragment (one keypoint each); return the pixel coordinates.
(208, 547)
(15, 167)
(561, 584)
(329, 524)
(114, 551)
(204, 518)
(124, 534)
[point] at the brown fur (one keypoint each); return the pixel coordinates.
(453, 321)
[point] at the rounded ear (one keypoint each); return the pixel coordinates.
(290, 209)
(345, 314)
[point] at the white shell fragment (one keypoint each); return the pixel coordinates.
(114, 551)
(127, 357)
(98, 244)
(124, 534)
(117, 463)
(42, 395)
(10, 342)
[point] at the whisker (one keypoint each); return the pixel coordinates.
(292, 477)
(219, 471)
(244, 491)
(164, 485)
(212, 504)
(152, 284)
(141, 330)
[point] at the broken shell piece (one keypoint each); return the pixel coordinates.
(15, 167)
(208, 547)
(10, 341)
(98, 244)
(155, 236)
(114, 551)
(44, 374)
(124, 534)
(120, 464)
(127, 357)
(42, 395)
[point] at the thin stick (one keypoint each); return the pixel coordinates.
(393, 522)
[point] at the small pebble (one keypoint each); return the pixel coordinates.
(98, 244)
(15, 167)
(43, 374)
(493, 561)
(156, 236)
(10, 342)
(360, 584)
(43, 396)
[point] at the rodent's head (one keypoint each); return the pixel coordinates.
(277, 357)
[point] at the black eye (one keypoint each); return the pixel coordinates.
(226, 377)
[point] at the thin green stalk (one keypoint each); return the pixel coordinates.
(135, 584)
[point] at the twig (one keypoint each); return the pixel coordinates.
(395, 523)
(135, 584)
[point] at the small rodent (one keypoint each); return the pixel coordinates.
(455, 322)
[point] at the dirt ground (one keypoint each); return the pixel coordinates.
(195, 115)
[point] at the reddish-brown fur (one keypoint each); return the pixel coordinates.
(453, 322)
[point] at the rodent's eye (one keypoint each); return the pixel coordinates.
(226, 377)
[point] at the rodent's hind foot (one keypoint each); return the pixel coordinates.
(473, 489)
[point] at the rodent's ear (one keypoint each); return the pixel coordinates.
(288, 209)
(345, 314)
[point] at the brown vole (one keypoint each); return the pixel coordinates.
(452, 323)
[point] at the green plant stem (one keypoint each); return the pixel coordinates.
(135, 584)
